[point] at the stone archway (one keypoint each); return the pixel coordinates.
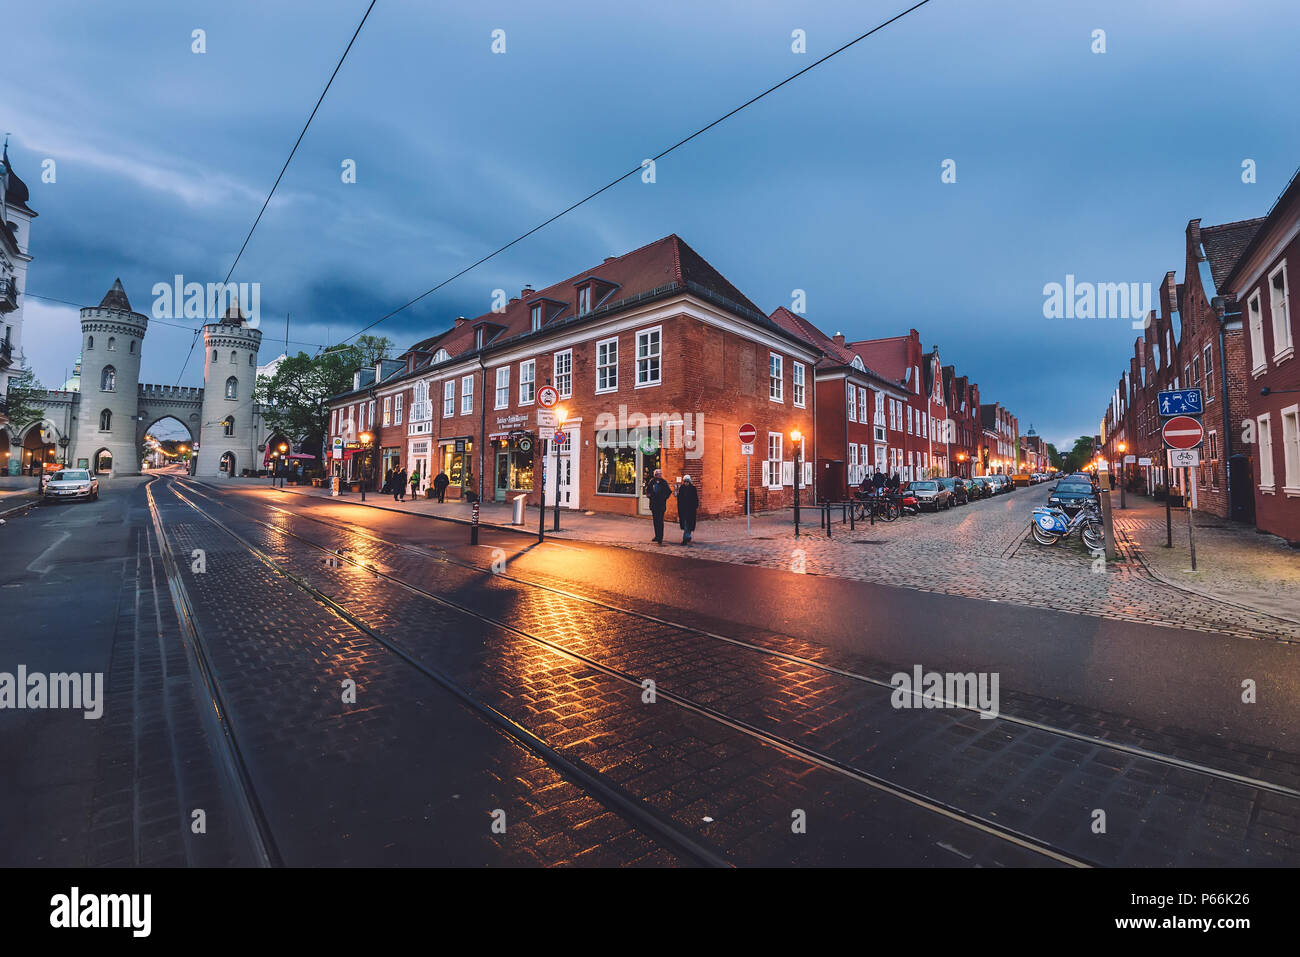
(227, 464)
(101, 463)
(174, 436)
(37, 449)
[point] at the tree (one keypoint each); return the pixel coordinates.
(1053, 456)
(22, 403)
(1078, 457)
(296, 398)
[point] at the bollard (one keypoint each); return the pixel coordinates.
(851, 516)
(473, 525)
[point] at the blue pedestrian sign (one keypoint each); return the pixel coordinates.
(1180, 402)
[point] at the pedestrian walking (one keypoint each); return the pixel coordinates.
(399, 485)
(658, 492)
(440, 483)
(688, 504)
(388, 481)
(415, 483)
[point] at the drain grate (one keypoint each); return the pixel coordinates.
(870, 541)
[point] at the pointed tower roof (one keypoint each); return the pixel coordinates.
(115, 298)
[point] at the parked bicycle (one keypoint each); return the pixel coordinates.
(1051, 524)
(883, 507)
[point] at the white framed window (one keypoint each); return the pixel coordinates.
(880, 409)
(563, 373)
(649, 349)
(775, 377)
(466, 394)
(862, 405)
(1264, 424)
(797, 391)
(849, 402)
(397, 409)
(607, 365)
(1255, 320)
(334, 422)
(1208, 365)
(388, 411)
(1280, 311)
(503, 387)
(773, 467)
(449, 397)
(536, 315)
(909, 420)
(527, 381)
(370, 414)
(1291, 449)
(584, 300)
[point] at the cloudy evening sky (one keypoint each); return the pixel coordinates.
(1067, 161)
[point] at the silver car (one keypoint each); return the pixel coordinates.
(71, 484)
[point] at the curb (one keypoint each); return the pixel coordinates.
(19, 508)
(1136, 554)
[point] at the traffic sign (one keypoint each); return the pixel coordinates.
(546, 419)
(746, 448)
(1183, 432)
(561, 438)
(748, 433)
(1180, 402)
(547, 396)
(1184, 458)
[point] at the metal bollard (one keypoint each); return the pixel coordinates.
(473, 525)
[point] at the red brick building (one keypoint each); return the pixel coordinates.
(914, 424)
(657, 359)
(1260, 287)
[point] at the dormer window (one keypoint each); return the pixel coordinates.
(478, 338)
(442, 355)
(584, 300)
(537, 317)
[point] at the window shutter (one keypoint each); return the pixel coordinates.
(787, 473)
(808, 474)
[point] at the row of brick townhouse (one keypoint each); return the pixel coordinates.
(1227, 329)
(657, 360)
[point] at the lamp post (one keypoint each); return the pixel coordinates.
(1123, 473)
(797, 438)
(283, 450)
(561, 415)
(366, 438)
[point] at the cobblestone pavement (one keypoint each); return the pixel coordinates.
(1235, 563)
(406, 774)
(983, 550)
(693, 769)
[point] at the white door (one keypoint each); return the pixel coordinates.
(565, 471)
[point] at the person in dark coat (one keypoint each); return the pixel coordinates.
(658, 492)
(388, 481)
(688, 504)
(878, 480)
(399, 485)
(440, 483)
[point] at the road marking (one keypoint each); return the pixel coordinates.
(63, 537)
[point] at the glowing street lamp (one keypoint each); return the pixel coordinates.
(1123, 473)
(797, 438)
(366, 438)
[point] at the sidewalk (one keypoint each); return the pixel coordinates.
(1234, 563)
(574, 524)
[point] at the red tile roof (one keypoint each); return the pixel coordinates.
(886, 356)
(1224, 245)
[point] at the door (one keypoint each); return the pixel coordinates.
(648, 458)
(562, 474)
(503, 474)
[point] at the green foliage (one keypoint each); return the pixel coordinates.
(22, 403)
(1078, 457)
(1053, 456)
(296, 397)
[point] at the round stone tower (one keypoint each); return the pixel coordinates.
(112, 337)
(228, 434)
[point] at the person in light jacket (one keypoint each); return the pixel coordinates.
(688, 504)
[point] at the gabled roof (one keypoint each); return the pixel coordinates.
(834, 355)
(887, 356)
(1224, 245)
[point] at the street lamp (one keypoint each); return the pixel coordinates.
(366, 438)
(1123, 473)
(797, 438)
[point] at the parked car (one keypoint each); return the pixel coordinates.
(957, 489)
(1071, 494)
(978, 488)
(930, 494)
(71, 484)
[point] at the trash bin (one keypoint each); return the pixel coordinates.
(519, 509)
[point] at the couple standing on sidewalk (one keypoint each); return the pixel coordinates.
(688, 504)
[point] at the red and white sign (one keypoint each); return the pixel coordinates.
(1183, 432)
(547, 396)
(561, 438)
(748, 433)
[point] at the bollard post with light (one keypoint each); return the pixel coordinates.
(366, 438)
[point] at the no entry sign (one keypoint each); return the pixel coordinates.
(748, 433)
(1183, 432)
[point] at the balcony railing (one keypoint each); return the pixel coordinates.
(8, 295)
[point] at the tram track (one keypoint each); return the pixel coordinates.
(785, 745)
(635, 813)
(1117, 747)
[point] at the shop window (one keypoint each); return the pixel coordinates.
(616, 471)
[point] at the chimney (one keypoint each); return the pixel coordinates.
(838, 339)
(526, 291)
(460, 321)
(610, 259)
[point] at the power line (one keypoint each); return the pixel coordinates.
(287, 161)
(614, 182)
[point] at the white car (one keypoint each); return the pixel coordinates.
(71, 484)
